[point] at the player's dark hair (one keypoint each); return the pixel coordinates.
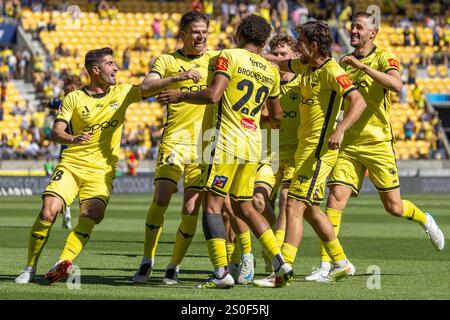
(192, 16)
(282, 39)
(254, 29)
(95, 57)
(371, 19)
(319, 32)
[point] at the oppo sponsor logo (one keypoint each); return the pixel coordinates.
(101, 126)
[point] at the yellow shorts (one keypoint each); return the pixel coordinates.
(308, 182)
(67, 183)
(377, 157)
(235, 179)
(174, 160)
(273, 179)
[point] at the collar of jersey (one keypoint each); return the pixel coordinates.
(95, 96)
(189, 56)
(286, 82)
(362, 57)
(324, 63)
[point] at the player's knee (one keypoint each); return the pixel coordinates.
(162, 199)
(393, 208)
(336, 201)
(48, 213)
(259, 202)
(189, 208)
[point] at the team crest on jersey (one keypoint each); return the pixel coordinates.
(249, 124)
(293, 96)
(220, 181)
(393, 171)
(394, 63)
(114, 105)
(222, 64)
(344, 81)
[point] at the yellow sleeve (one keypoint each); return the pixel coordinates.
(132, 94)
(276, 87)
(296, 66)
(224, 64)
(388, 62)
(160, 66)
(339, 81)
(66, 110)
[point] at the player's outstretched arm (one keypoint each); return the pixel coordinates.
(390, 80)
(275, 111)
(154, 84)
(283, 64)
(59, 134)
(210, 95)
(355, 110)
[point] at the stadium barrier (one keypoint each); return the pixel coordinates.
(27, 186)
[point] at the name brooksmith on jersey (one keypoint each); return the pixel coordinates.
(256, 75)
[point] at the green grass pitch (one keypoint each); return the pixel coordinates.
(410, 267)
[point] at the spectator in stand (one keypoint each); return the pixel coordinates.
(403, 93)
(16, 110)
(409, 129)
(102, 9)
(132, 164)
(6, 149)
(49, 166)
(412, 73)
(156, 27)
(1, 112)
(155, 138)
(126, 58)
(407, 37)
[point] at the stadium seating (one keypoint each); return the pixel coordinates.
(133, 25)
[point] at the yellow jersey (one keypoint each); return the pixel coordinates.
(322, 92)
(103, 116)
(374, 124)
(184, 122)
(290, 102)
(252, 79)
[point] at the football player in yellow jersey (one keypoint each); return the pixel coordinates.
(324, 85)
(94, 115)
(368, 144)
(181, 145)
(267, 180)
(242, 84)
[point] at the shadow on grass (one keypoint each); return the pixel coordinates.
(130, 255)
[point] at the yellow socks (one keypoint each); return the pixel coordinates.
(77, 239)
(217, 252)
(411, 212)
(230, 250)
(38, 237)
(269, 243)
(335, 219)
(183, 239)
(245, 242)
(236, 254)
(334, 250)
(153, 228)
(279, 234)
(289, 253)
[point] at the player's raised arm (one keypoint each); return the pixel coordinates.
(282, 63)
(355, 110)
(210, 95)
(390, 79)
(154, 84)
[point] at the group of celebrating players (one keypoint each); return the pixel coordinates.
(217, 102)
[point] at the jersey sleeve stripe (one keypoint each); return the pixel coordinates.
(62, 120)
(389, 69)
(326, 123)
(156, 72)
(348, 91)
(223, 74)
